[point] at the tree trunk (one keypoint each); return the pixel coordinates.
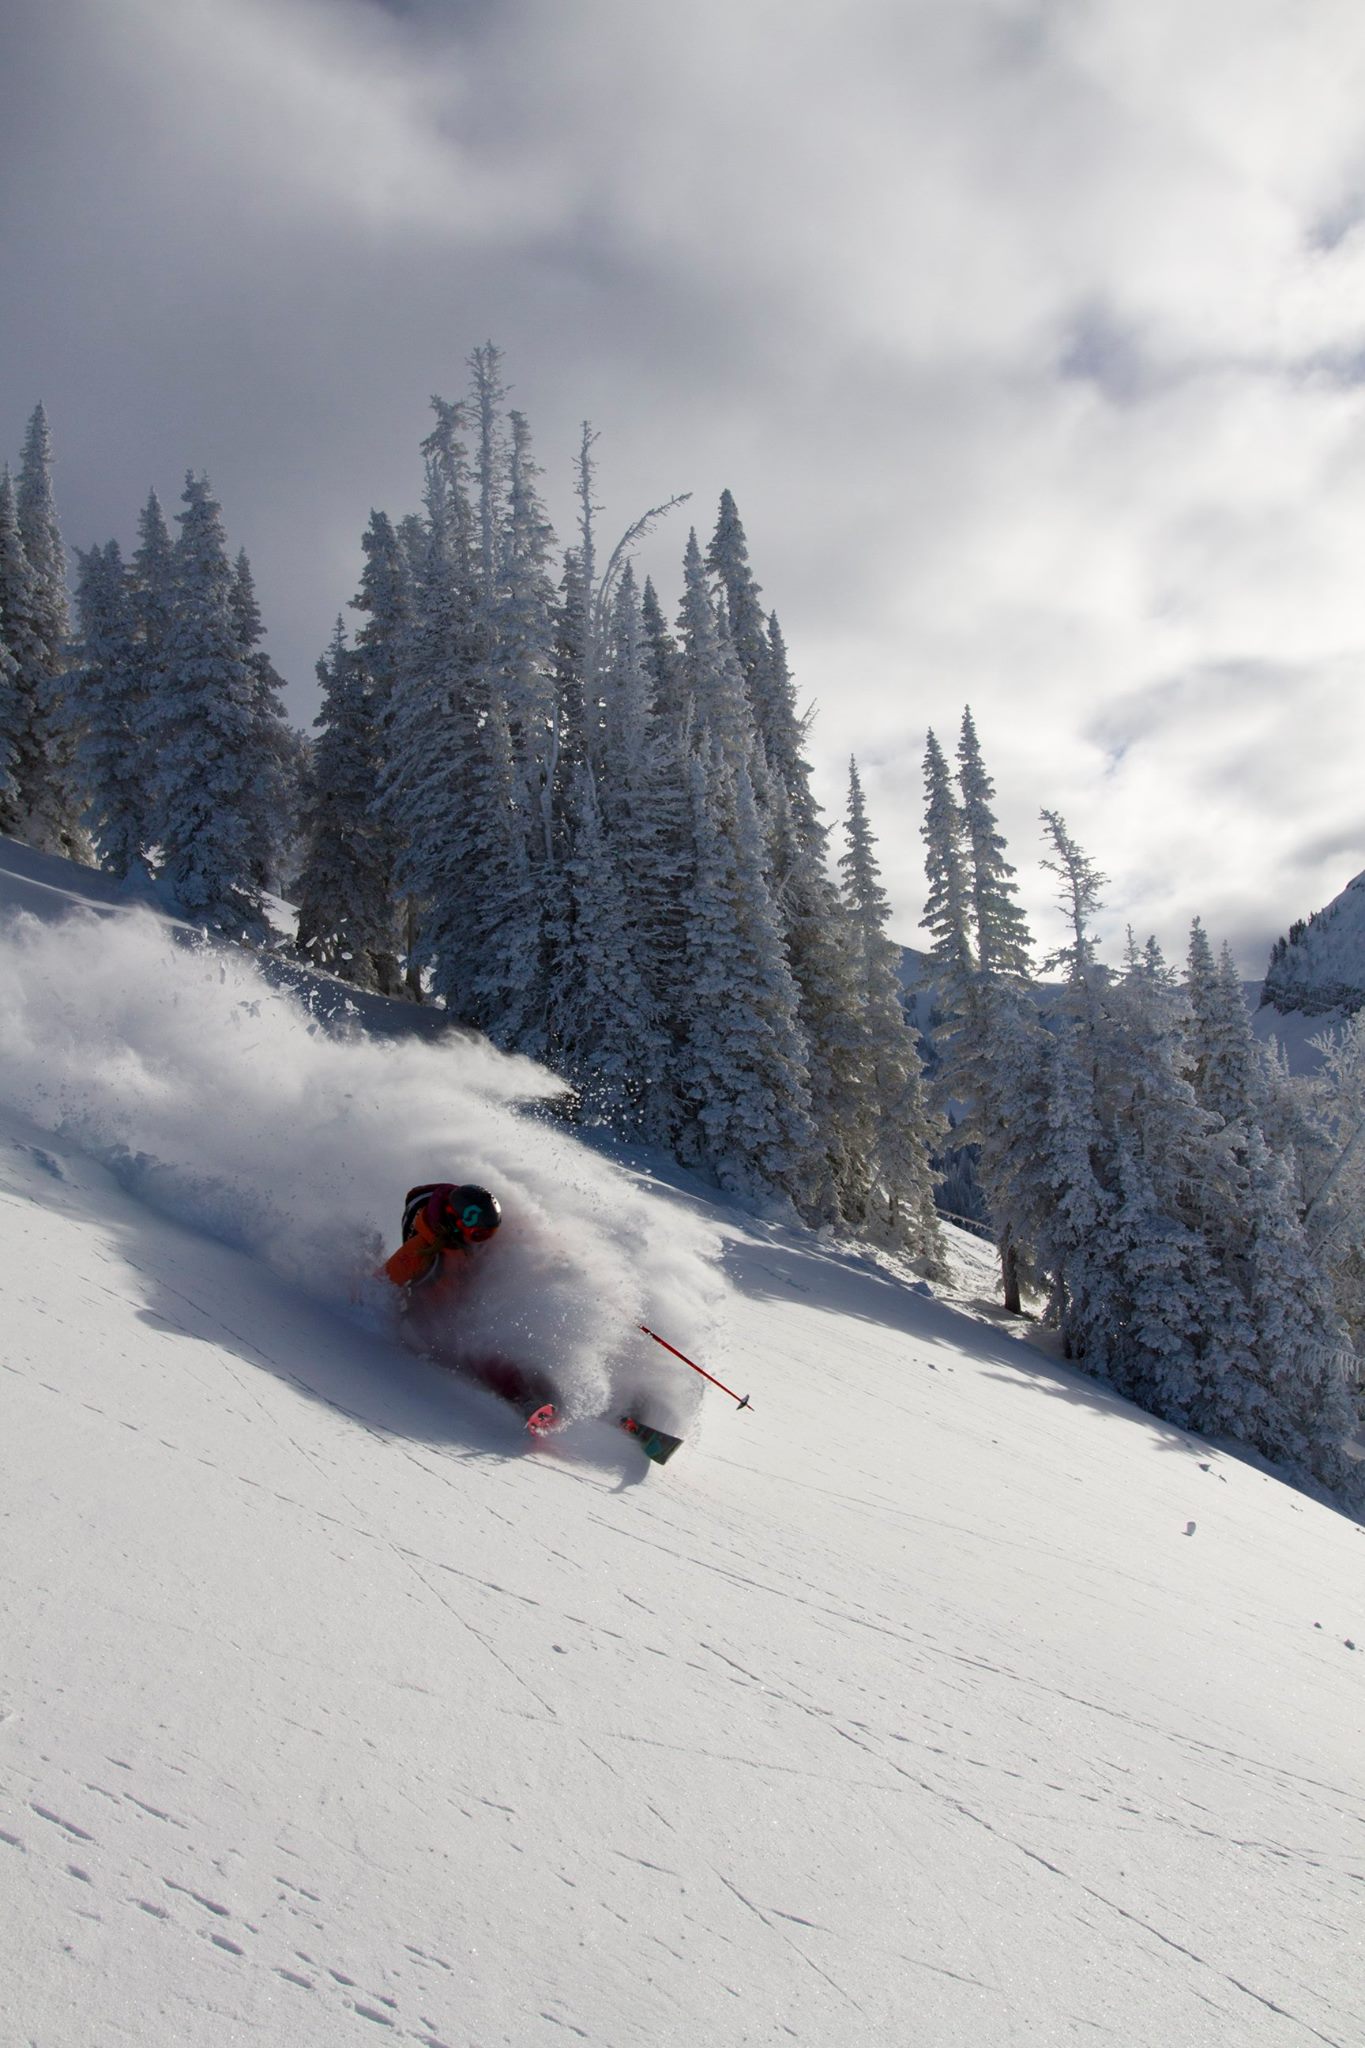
(413, 976)
(1009, 1274)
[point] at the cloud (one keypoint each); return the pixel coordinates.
(1027, 334)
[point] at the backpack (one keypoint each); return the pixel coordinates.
(414, 1202)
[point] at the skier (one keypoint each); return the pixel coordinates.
(442, 1223)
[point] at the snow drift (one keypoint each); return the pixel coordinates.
(219, 1100)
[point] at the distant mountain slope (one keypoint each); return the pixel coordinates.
(1320, 966)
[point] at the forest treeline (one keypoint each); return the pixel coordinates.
(586, 826)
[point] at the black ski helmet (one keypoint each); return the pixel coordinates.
(471, 1213)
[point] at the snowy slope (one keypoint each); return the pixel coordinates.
(940, 1699)
(1321, 967)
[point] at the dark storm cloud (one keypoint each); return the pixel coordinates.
(1009, 325)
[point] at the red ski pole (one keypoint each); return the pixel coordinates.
(663, 1341)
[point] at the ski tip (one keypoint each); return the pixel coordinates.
(542, 1420)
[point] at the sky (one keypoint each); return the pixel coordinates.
(1029, 336)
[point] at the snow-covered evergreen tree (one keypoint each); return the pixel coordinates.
(661, 654)
(9, 736)
(1329, 1138)
(619, 758)
(489, 969)
(762, 661)
(204, 734)
(106, 684)
(48, 776)
(1309, 1416)
(743, 1062)
(947, 917)
(709, 667)
(1073, 1247)
(904, 1134)
(565, 751)
(818, 941)
(276, 796)
(1225, 1064)
(1000, 931)
(646, 814)
(1008, 1132)
(728, 560)
(152, 591)
(1154, 1344)
(433, 719)
(979, 962)
(151, 599)
(345, 909)
(385, 599)
(609, 1038)
(487, 396)
(526, 617)
(1079, 884)
(20, 734)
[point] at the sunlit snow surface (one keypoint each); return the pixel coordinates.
(941, 1698)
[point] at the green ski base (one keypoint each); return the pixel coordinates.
(655, 1443)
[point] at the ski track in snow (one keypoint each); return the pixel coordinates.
(899, 1709)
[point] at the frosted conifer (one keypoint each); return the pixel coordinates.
(762, 660)
(1001, 934)
(709, 668)
(905, 1134)
(345, 912)
(569, 713)
(489, 962)
(433, 717)
(818, 941)
(9, 733)
(979, 962)
(152, 595)
(203, 730)
(276, 745)
(106, 682)
(385, 599)
(1309, 1417)
(1079, 883)
(662, 657)
(1074, 1247)
(20, 733)
(728, 559)
(47, 772)
(742, 1065)
(1225, 1064)
(527, 614)
(609, 1041)
(1155, 1324)
(946, 911)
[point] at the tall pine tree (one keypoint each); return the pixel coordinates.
(21, 661)
(51, 785)
(204, 734)
(345, 910)
(106, 683)
(905, 1134)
